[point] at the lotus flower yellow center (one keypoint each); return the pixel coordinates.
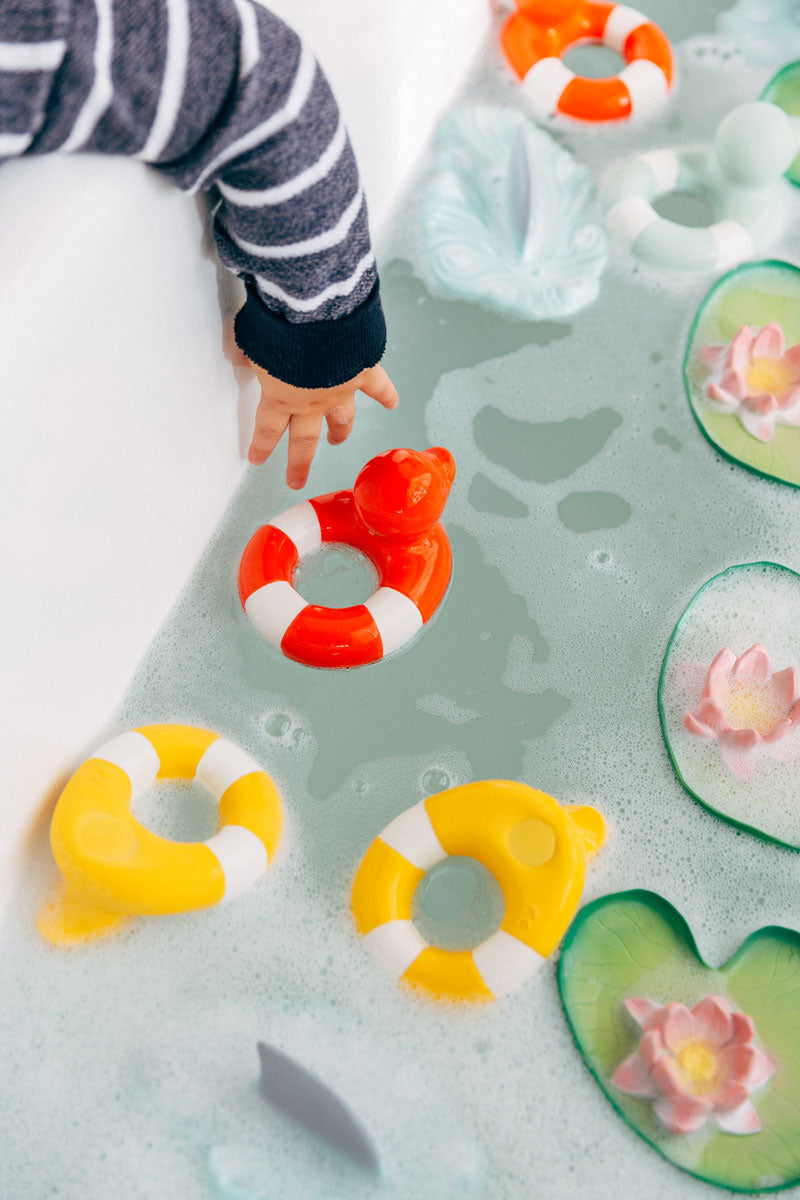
(771, 375)
(753, 705)
(699, 1064)
(757, 378)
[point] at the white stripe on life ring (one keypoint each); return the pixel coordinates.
(629, 218)
(242, 857)
(647, 85)
(222, 765)
(398, 944)
(273, 607)
(665, 167)
(620, 25)
(301, 525)
(398, 618)
(504, 962)
(544, 83)
(134, 754)
(733, 243)
(412, 835)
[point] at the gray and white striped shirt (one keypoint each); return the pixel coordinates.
(218, 96)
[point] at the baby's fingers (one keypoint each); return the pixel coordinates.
(304, 434)
(270, 428)
(340, 421)
(377, 384)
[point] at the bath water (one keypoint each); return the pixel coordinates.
(586, 512)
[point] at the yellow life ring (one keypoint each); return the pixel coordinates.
(113, 867)
(537, 851)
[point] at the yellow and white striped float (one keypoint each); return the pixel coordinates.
(537, 852)
(114, 868)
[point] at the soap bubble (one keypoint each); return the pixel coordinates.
(277, 724)
(435, 781)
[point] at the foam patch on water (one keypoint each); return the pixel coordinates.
(449, 710)
(738, 610)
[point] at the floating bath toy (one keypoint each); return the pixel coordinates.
(745, 703)
(741, 175)
(732, 724)
(742, 369)
(508, 220)
(537, 852)
(114, 868)
(535, 37)
(756, 377)
(295, 1091)
(697, 1065)
(391, 516)
(784, 90)
(701, 1062)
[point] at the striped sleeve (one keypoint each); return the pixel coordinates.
(219, 96)
(32, 47)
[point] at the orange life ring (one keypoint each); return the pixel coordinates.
(392, 516)
(536, 36)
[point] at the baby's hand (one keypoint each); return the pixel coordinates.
(302, 410)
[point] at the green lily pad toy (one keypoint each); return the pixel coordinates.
(731, 721)
(784, 90)
(742, 368)
(702, 1062)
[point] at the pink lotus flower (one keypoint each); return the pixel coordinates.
(696, 1065)
(757, 378)
(744, 703)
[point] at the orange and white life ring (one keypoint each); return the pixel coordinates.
(536, 36)
(391, 516)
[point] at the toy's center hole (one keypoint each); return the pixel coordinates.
(458, 904)
(593, 60)
(692, 209)
(335, 576)
(178, 809)
(533, 842)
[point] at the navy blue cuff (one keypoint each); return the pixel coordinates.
(311, 354)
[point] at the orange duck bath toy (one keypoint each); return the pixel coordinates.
(391, 516)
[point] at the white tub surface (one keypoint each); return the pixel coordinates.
(119, 450)
(394, 65)
(121, 439)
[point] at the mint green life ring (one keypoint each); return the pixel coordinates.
(740, 174)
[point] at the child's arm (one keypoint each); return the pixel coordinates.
(220, 95)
